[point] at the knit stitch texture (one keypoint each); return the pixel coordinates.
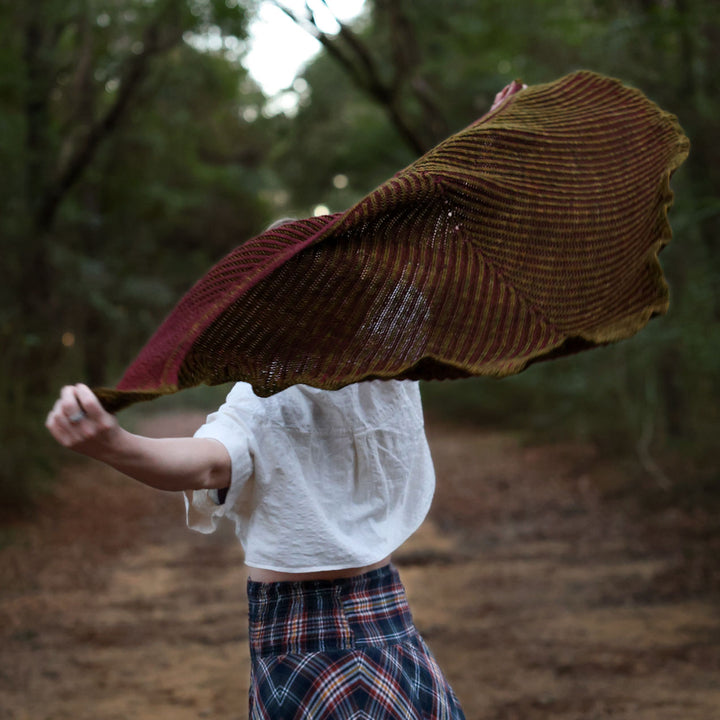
(531, 234)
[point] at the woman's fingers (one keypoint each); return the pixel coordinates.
(58, 424)
(58, 420)
(70, 405)
(506, 92)
(78, 418)
(90, 405)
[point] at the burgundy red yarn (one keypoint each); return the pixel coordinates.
(532, 233)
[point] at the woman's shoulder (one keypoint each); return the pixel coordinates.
(355, 407)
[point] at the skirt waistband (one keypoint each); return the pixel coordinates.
(323, 615)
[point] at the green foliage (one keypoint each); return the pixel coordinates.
(655, 393)
(128, 172)
(336, 131)
(129, 168)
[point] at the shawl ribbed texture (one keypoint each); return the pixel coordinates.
(530, 234)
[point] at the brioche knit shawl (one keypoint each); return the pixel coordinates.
(531, 234)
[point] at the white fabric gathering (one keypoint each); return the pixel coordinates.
(321, 480)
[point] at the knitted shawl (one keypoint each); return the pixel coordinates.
(531, 234)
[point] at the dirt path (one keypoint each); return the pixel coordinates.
(539, 600)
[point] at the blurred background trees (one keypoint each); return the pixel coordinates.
(127, 166)
(137, 151)
(440, 66)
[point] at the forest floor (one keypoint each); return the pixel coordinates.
(541, 589)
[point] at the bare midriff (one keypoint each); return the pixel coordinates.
(267, 576)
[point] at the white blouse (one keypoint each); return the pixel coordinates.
(321, 480)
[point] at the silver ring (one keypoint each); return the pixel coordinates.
(76, 417)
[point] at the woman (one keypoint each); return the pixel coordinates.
(322, 487)
(559, 204)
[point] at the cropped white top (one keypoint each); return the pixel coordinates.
(321, 480)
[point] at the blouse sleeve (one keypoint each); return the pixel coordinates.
(231, 425)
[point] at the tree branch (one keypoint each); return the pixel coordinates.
(407, 59)
(133, 75)
(355, 58)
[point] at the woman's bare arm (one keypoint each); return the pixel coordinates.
(79, 422)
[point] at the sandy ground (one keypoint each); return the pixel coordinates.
(540, 598)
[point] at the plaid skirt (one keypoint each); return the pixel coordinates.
(342, 650)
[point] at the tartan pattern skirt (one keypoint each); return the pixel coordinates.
(342, 650)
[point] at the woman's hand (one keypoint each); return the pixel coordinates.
(514, 87)
(78, 421)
